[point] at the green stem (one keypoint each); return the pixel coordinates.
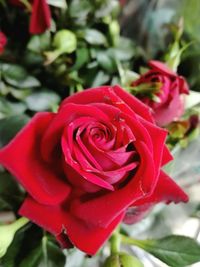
(121, 72)
(115, 242)
(27, 5)
(132, 241)
(44, 249)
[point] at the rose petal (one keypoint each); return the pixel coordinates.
(158, 137)
(22, 158)
(166, 191)
(90, 238)
(101, 95)
(174, 110)
(77, 230)
(167, 156)
(64, 117)
(86, 174)
(108, 205)
(183, 85)
(40, 18)
(161, 67)
(135, 104)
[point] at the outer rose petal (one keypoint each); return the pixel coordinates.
(22, 158)
(40, 18)
(167, 156)
(100, 95)
(85, 237)
(166, 191)
(174, 110)
(138, 107)
(161, 67)
(158, 137)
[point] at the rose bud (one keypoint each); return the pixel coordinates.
(166, 92)
(64, 41)
(122, 260)
(40, 19)
(3, 42)
(85, 166)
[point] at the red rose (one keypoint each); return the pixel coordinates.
(40, 15)
(85, 165)
(3, 42)
(170, 104)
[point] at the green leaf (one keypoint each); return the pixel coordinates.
(106, 62)
(100, 79)
(19, 94)
(174, 250)
(10, 126)
(55, 254)
(94, 37)
(33, 59)
(43, 100)
(57, 3)
(39, 43)
(190, 14)
(11, 195)
(9, 188)
(80, 8)
(17, 76)
(108, 7)
(125, 50)
(33, 259)
(8, 108)
(82, 57)
(47, 253)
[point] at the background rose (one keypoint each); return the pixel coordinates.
(86, 165)
(40, 15)
(169, 103)
(3, 42)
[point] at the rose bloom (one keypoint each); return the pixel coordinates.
(91, 165)
(170, 98)
(40, 19)
(3, 42)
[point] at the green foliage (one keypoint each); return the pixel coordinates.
(17, 76)
(42, 100)
(174, 250)
(26, 251)
(10, 126)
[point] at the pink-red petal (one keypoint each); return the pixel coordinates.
(55, 219)
(40, 17)
(166, 191)
(22, 158)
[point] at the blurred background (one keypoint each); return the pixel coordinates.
(113, 40)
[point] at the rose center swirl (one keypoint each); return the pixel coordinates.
(102, 152)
